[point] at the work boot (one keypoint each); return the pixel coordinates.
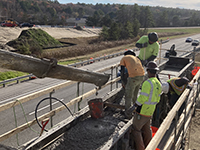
(127, 116)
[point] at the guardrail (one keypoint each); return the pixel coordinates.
(30, 76)
(87, 62)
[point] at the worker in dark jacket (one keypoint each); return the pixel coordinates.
(174, 87)
(149, 47)
(134, 80)
(145, 107)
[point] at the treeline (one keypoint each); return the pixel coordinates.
(121, 32)
(51, 12)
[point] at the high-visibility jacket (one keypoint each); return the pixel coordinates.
(149, 97)
(151, 49)
(177, 90)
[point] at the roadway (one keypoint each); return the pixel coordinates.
(13, 92)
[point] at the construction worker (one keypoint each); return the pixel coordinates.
(171, 52)
(145, 107)
(174, 87)
(149, 47)
(135, 78)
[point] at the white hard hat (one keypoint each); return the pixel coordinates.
(165, 87)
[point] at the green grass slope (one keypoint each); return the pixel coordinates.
(33, 41)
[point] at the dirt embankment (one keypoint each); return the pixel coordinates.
(8, 33)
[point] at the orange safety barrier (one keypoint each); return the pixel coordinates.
(154, 130)
(195, 70)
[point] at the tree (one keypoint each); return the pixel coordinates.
(114, 32)
(104, 33)
(95, 19)
(68, 10)
(149, 19)
(106, 21)
(81, 12)
(175, 21)
(122, 15)
(90, 21)
(127, 31)
(193, 20)
(136, 27)
(163, 19)
(136, 12)
(52, 11)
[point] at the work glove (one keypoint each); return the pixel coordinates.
(189, 86)
(131, 109)
(144, 44)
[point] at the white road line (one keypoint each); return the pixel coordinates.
(44, 107)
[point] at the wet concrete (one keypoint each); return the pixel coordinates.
(90, 134)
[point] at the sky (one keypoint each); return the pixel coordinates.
(186, 4)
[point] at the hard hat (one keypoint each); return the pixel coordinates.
(152, 66)
(153, 37)
(165, 87)
(129, 52)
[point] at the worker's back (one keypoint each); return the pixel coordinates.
(133, 65)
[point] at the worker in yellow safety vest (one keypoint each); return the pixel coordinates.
(149, 47)
(174, 87)
(145, 107)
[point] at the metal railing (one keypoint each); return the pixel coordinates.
(87, 62)
(17, 79)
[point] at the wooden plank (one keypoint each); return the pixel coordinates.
(121, 133)
(114, 105)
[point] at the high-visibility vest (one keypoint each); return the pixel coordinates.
(177, 90)
(151, 49)
(149, 97)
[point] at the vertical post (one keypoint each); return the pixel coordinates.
(160, 52)
(111, 78)
(175, 130)
(77, 94)
(116, 76)
(79, 103)
(193, 57)
(183, 135)
(51, 118)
